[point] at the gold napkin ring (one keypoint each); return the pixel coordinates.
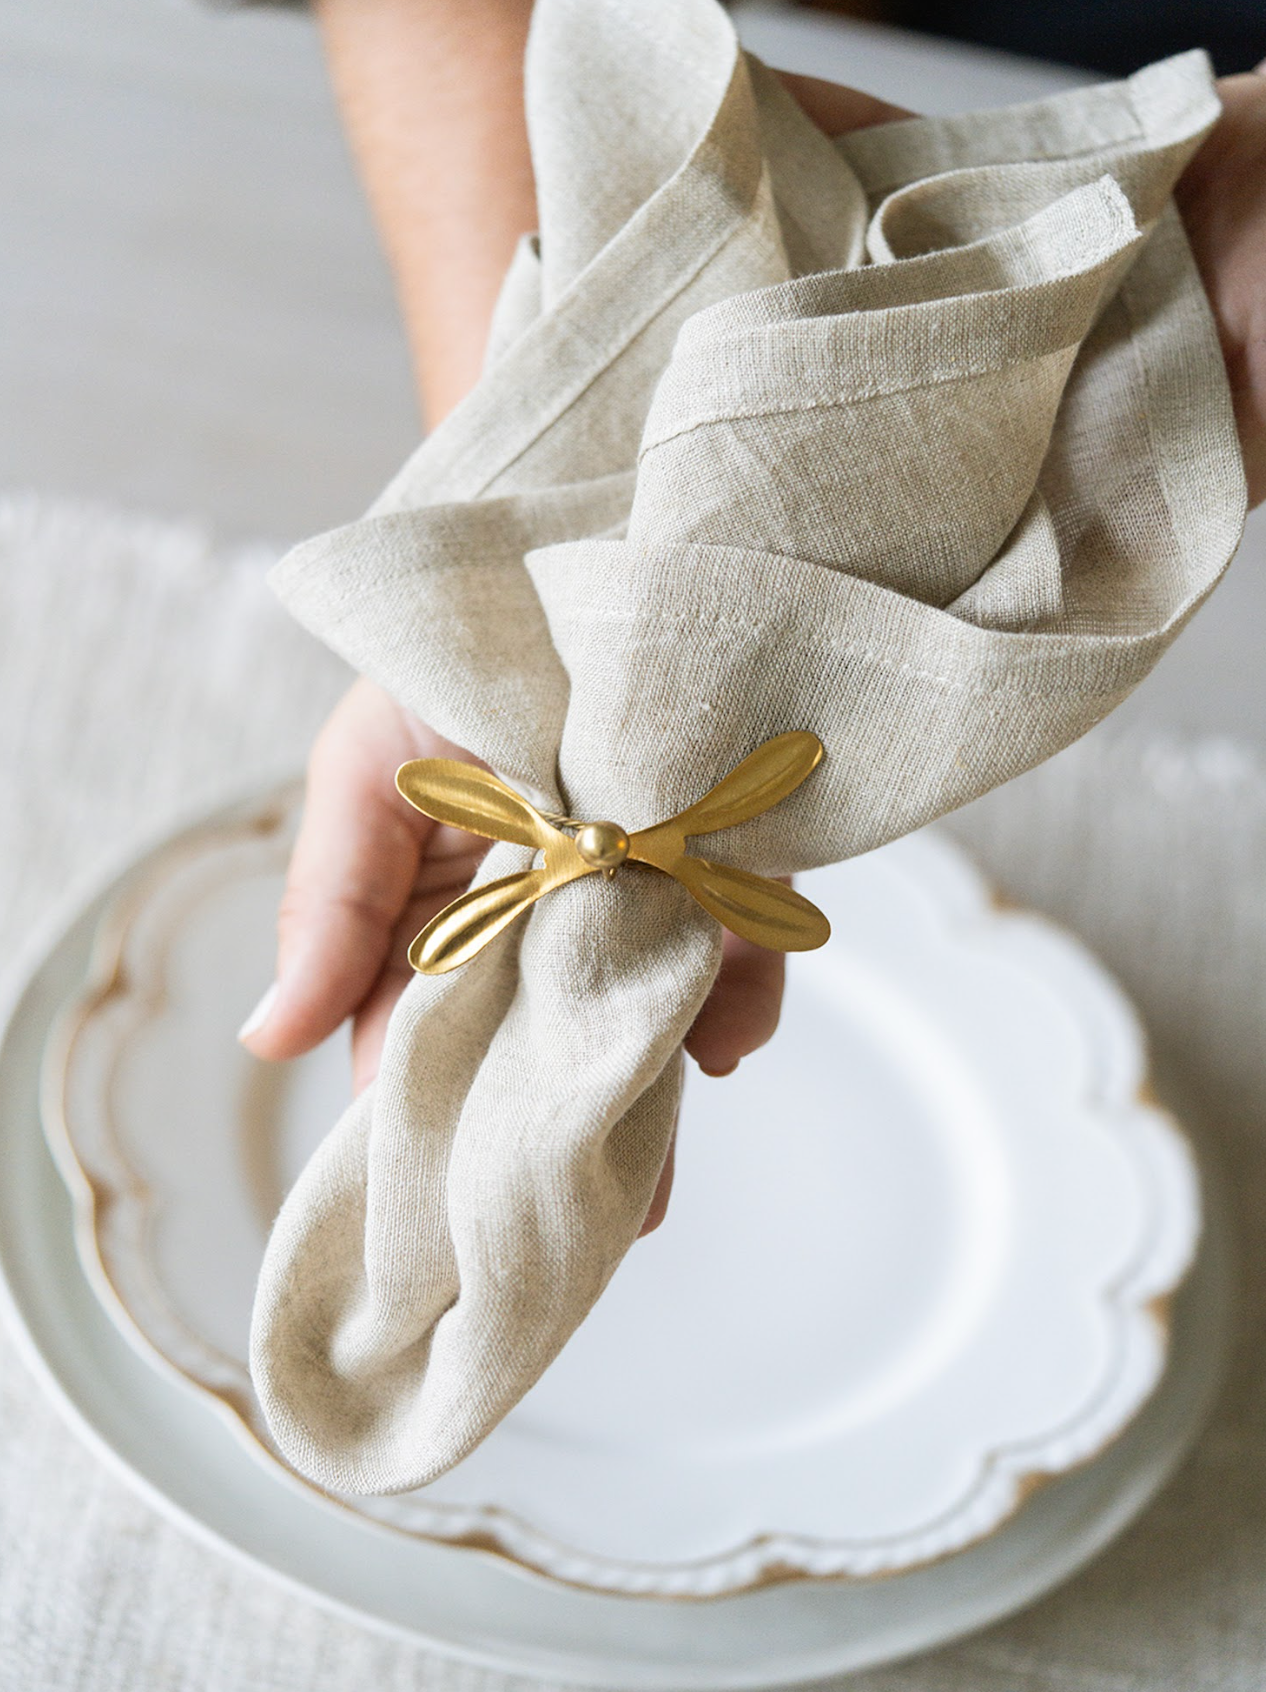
(750, 906)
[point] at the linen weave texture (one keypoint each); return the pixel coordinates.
(919, 440)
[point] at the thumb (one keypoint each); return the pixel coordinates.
(351, 873)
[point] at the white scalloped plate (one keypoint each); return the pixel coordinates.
(182, 1450)
(917, 1258)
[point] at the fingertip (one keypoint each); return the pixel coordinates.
(715, 1072)
(663, 1189)
(654, 1217)
(741, 1012)
(260, 1015)
(320, 981)
(270, 1031)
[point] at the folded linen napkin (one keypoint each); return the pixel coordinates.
(919, 440)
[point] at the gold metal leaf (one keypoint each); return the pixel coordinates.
(467, 925)
(755, 786)
(470, 798)
(753, 907)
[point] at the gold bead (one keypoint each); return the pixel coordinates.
(605, 845)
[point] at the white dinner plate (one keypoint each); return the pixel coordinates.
(183, 1451)
(916, 1262)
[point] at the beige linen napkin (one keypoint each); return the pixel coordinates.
(920, 441)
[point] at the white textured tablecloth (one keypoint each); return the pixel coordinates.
(141, 674)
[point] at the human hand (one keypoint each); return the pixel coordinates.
(1222, 199)
(367, 872)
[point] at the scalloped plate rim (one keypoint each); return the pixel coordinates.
(768, 1557)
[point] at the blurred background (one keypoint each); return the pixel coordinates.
(1113, 37)
(195, 321)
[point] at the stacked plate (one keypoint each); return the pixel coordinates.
(928, 1305)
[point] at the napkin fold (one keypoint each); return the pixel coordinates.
(919, 440)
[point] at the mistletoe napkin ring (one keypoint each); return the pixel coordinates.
(748, 905)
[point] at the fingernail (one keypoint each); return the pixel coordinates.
(259, 1016)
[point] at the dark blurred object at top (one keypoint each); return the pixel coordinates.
(1112, 36)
